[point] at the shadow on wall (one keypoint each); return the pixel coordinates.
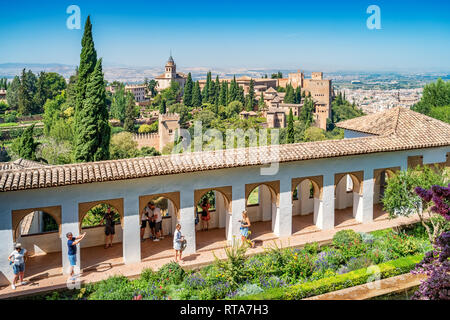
(4, 280)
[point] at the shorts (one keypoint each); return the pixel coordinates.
(73, 260)
(110, 230)
(152, 224)
(158, 226)
(18, 268)
(143, 224)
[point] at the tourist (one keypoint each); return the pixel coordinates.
(245, 228)
(109, 227)
(157, 220)
(144, 219)
(152, 222)
(205, 214)
(72, 251)
(178, 241)
(17, 259)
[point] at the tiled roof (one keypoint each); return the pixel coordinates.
(19, 164)
(417, 131)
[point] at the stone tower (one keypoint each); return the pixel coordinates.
(167, 126)
(170, 69)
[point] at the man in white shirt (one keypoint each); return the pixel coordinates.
(157, 216)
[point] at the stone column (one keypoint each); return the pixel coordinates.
(283, 223)
(7, 244)
(325, 214)
(365, 208)
(69, 223)
(187, 220)
(131, 243)
(237, 206)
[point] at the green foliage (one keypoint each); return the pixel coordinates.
(10, 116)
(349, 243)
(114, 288)
(130, 113)
(171, 273)
(119, 104)
(249, 289)
(196, 95)
(123, 146)
(314, 134)
(232, 269)
(147, 128)
(12, 94)
(25, 146)
(95, 215)
(441, 113)
(188, 90)
(290, 128)
(435, 95)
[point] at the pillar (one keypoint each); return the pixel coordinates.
(283, 222)
(187, 219)
(69, 223)
(324, 218)
(237, 206)
(365, 207)
(131, 243)
(6, 239)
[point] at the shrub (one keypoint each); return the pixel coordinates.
(194, 281)
(338, 282)
(367, 237)
(148, 275)
(299, 266)
(401, 245)
(249, 289)
(267, 282)
(171, 273)
(349, 244)
(312, 248)
(114, 288)
(217, 291)
(329, 259)
(358, 263)
(233, 269)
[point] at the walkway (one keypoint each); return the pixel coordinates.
(46, 269)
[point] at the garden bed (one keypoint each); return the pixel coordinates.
(278, 273)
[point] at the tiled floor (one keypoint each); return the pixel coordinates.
(99, 263)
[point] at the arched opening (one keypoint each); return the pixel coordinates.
(262, 205)
(38, 231)
(348, 198)
(166, 204)
(306, 203)
(212, 217)
(381, 177)
(92, 220)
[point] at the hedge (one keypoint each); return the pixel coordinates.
(338, 282)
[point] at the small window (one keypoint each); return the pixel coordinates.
(349, 184)
(311, 191)
(170, 131)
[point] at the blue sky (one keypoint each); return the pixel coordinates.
(330, 35)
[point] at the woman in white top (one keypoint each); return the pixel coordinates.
(178, 242)
(17, 259)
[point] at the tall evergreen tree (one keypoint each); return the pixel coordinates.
(130, 114)
(290, 128)
(251, 96)
(25, 146)
(94, 132)
(290, 96)
(88, 61)
(26, 93)
(241, 96)
(206, 89)
(163, 107)
(234, 91)
(223, 93)
(298, 95)
(217, 90)
(306, 113)
(187, 96)
(211, 90)
(12, 95)
(196, 96)
(261, 103)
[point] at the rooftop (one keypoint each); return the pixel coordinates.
(401, 129)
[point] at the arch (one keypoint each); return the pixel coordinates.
(389, 171)
(274, 187)
(316, 181)
(84, 207)
(174, 197)
(357, 179)
(18, 215)
(225, 191)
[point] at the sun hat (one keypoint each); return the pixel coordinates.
(18, 245)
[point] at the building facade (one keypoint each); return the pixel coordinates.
(170, 75)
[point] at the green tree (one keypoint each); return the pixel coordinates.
(130, 113)
(251, 96)
(290, 128)
(152, 84)
(49, 85)
(118, 104)
(261, 103)
(435, 94)
(188, 88)
(88, 61)
(94, 132)
(298, 95)
(25, 146)
(223, 93)
(399, 198)
(196, 96)
(26, 93)
(163, 107)
(290, 95)
(233, 94)
(123, 146)
(12, 95)
(306, 113)
(241, 96)
(440, 113)
(314, 134)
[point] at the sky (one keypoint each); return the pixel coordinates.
(322, 35)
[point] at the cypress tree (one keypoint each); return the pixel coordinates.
(162, 107)
(298, 95)
(290, 96)
(26, 92)
(211, 90)
(12, 95)
(130, 113)
(217, 90)
(206, 89)
(187, 96)
(290, 128)
(233, 94)
(93, 128)
(88, 61)
(223, 93)
(196, 95)
(241, 96)
(251, 96)
(261, 103)
(26, 146)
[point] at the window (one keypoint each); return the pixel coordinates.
(349, 183)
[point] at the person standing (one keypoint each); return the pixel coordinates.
(245, 228)
(17, 259)
(178, 239)
(72, 251)
(205, 214)
(145, 218)
(157, 217)
(109, 227)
